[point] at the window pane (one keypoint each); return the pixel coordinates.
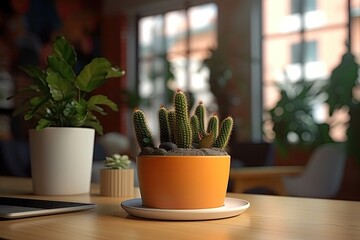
(150, 36)
(175, 31)
(178, 62)
(171, 55)
(203, 21)
(355, 26)
(309, 49)
(309, 5)
(323, 37)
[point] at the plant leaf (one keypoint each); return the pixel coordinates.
(63, 49)
(59, 88)
(94, 123)
(43, 123)
(59, 65)
(37, 74)
(101, 100)
(93, 74)
(35, 104)
(115, 72)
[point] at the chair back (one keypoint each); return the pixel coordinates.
(323, 174)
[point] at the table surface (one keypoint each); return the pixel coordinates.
(269, 177)
(269, 217)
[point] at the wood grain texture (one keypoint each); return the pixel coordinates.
(269, 217)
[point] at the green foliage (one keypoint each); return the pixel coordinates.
(342, 81)
(142, 132)
(60, 98)
(292, 116)
(117, 161)
(184, 133)
(340, 90)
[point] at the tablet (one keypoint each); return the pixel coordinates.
(12, 208)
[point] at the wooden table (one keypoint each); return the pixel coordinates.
(270, 177)
(269, 217)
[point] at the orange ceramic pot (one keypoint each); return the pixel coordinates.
(183, 182)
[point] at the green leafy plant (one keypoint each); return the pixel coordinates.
(58, 97)
(178, 130)
(292, 116)
(343, 81)
(117, 161)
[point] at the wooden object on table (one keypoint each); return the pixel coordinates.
(270, 177)
(269, 217)
(117, 182)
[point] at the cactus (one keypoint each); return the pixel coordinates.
(164, 125)
(213, 126)
(177, 130)
(195, 127)
(224, 134)
(183, 135)
(142, 132)
(207, 140)
(172, 123)
(200, 113)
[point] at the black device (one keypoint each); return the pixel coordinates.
(13, 207)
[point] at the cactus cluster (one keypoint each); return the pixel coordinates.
(178, 130)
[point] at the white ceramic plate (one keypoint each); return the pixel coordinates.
(231, 208)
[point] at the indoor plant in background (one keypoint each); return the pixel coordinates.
(61, 146)
(342, 88)
(190, 167)
(297, 133)
(117, 178)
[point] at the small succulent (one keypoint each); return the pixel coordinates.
(117, 161)
(178, 130)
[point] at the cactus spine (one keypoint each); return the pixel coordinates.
(142, 132)
(200, 113)
(176, 127)
(195, 127)
(183, 135)
(213, 126)
(164, 125)
(172, 123)
(224, 134)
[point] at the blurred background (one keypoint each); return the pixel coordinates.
(287, 71)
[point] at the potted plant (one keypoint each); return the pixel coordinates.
(117, 178)
(297, 133)
(190, 167)
(342, 88)
(61, 146)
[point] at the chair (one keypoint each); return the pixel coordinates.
(323, 173)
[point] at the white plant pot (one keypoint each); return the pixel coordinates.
(61, 160)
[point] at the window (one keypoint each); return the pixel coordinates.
(320, 33)
(309, 50)
(308, 5)
(172, 47)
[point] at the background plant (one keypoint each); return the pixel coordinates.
(341, 91)
(292, 116)
(58, 97)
